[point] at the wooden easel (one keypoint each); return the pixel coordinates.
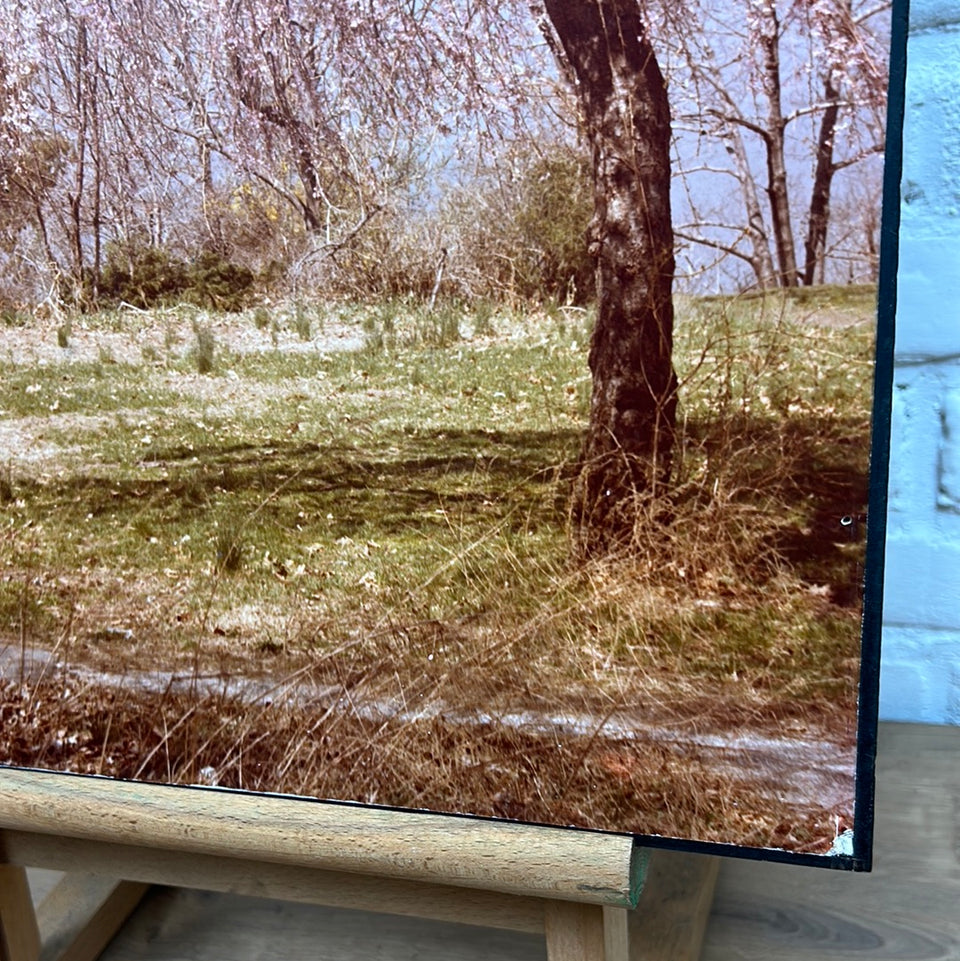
(580, 890)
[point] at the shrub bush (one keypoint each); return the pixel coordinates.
(143, 276)
(554, 211)
(146, 276)
(301, 322)
(525, 235)
(217, 284)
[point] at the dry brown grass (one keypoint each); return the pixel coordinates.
(644, 786)
(406, 596)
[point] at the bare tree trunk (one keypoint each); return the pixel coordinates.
(732, 124)
(273, 108)
(760, 259)
(627, 449)
(75, 230)
(819, 217)
(776, 161)
(97, 200)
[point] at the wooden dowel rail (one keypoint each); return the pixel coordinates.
(510, 858)
(114, 839)
(337, 889)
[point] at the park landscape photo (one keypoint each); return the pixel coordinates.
(405, 430)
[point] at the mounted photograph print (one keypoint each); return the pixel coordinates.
(474, 408)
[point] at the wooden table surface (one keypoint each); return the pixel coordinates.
(908, 907)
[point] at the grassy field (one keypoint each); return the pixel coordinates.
(345, 572)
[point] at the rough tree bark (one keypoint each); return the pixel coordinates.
(775, 137)
(816, 244)
(627, 449)
(278, 112)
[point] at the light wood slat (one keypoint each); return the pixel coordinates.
(506, 857)
(80, 916)
(671, 917)
(574, 931)
(19, 935)
(908, 907)
(616, 934)
(283, 882)
(186, 925)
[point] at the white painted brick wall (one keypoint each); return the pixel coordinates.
(920, 662)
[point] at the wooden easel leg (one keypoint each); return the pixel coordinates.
(669, 922)
(82, 913)
(19, 934)
(616, 934)
(575, 932)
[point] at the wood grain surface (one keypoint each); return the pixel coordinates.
(674, 907)
(908, 908)
(468, 852)
(19, 935)
(184, 925)
(280, 882)
(80, 916)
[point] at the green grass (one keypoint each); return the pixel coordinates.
(397, 515)
(91, 388)
(425, 452)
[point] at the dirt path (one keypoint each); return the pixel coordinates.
(809, 770)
